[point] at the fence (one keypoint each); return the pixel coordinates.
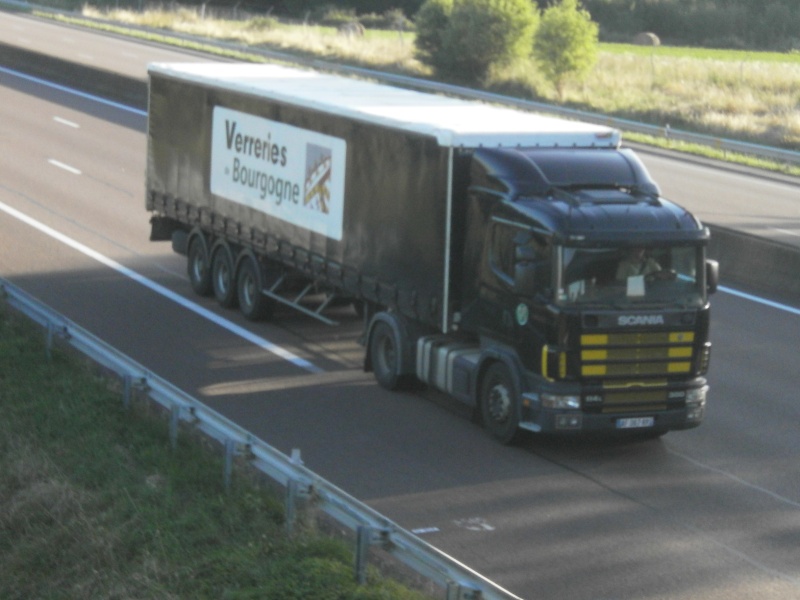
(371, 529)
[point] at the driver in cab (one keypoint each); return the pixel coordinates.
(638, 263)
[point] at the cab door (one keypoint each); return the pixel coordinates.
(516, 275)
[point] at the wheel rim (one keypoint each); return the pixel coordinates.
(387, 353)
(197, 263)
(248, 289)
(198, 267)
(223, 276)
(499, 403)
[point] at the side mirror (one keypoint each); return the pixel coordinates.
(531, 269)
(712, 275)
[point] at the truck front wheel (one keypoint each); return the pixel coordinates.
(499, 404)
(385, 352)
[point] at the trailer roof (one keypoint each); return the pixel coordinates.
(453, 122)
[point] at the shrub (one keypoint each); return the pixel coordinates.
(431, 21)
(481, 34)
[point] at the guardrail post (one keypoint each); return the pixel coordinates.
(174, 420)
(292, 491)
(457, 591)
(363, 542)
(127, 390)
(48, 344)
(230, 451)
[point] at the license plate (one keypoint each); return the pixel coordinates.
(636, 423)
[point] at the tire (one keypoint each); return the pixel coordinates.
(499, 404)
(222, 277)
(385, 352)
(254, 305)
(198, 267)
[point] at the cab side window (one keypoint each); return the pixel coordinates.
(501, 252)
(513, 251)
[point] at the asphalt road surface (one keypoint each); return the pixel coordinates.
(711, 513)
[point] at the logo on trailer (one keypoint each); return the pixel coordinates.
(318, 177)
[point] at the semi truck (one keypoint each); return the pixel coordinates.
(525, 265)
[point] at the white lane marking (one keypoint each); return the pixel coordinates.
(735, 478)
(759, 300)
(163, 291)
(66, 122)
(73, 91)
(424, 530)
(786, 231)
(61, 165)
(474, 524)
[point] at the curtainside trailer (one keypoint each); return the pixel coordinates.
(526, 265)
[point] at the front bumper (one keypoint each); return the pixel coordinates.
(686, 410)
(577, 422)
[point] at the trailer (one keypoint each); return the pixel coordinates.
(483, 244)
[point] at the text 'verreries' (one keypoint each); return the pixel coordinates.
(254, 146)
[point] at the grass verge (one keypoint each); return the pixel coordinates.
(94, 502)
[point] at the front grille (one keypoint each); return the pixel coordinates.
(625, 355)
(635, 399)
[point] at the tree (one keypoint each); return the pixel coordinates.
(431, 21)
(480, 34)
(565, 45)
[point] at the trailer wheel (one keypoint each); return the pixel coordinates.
(385, 353)
(198, 267)
(499, 408)
(252, 303)
(222, 277)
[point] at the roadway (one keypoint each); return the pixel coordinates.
(709, 513)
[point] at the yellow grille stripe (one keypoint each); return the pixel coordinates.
(680, 352)
(637, 339)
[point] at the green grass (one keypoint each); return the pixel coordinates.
(737, 56)
(94, 502)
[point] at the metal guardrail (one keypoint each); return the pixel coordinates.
(458, 581)
(666, 132)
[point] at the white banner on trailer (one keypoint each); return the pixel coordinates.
(290, 173)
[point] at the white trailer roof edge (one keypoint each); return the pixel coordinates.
(452, 122)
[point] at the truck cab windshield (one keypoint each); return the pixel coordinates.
(631, 276)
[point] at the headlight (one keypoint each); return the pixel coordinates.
(559, 401)
(705, 358)
(696, 396)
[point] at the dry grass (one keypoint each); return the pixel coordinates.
(733, 95)
(385, 50)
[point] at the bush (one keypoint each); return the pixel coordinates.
(566, 43)
(481, 34)
(431, 21)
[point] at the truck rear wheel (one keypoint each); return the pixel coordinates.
(252, 303)
(499, 404)
(222, 277)
(385, 352)
(198, 267)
